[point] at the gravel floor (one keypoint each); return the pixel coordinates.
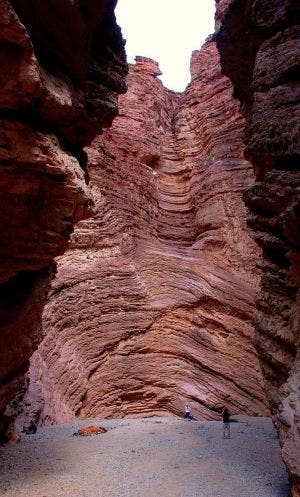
(154, 457)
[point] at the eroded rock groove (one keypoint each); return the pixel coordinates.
(153, 301)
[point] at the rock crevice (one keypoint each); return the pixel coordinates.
(153, 301)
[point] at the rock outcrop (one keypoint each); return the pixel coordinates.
(62, 66)
(259, 43)
(152, 303)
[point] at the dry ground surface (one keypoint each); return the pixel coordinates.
(153, 457)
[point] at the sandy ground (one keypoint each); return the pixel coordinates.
(154, 457)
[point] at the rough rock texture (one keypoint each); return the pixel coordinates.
(259, 42)
(62, 66)
(152, 303)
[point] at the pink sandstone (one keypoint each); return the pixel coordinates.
(62, 67)
(152, 303)
(259, 44)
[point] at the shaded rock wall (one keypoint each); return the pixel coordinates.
(152, 303)
(259, 43)
(63, 64)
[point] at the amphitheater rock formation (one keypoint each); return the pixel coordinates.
(153, 302)
(259, 44)
(62, 67)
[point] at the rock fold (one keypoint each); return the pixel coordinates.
(153, 301)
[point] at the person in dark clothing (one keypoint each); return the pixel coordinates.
(31, 430)
(226, 423)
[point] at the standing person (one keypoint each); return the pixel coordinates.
(187, 412)
(32, 428)
(226, 423)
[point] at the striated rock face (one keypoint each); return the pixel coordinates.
(152, 303)
(63, 64)
(259, 42)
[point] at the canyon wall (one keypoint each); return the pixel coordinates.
(259, 43)
(152, 303)
(62, 67)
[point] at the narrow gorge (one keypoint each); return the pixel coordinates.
(152, 303)
(149, 239)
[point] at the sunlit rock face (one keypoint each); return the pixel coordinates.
(153, 301)
(259, 42)
(62, 66)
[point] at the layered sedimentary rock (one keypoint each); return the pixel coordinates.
(62, 66)
(153, 301)
(259, 43)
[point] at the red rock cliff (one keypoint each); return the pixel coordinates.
(62, 66)
(259, 43)
(152, 303)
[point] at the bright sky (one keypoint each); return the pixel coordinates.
(167, 31)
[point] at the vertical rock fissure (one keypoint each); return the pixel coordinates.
(168, 238)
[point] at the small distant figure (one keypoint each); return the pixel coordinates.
(32, 428)
(187, 412)
(226, 423)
